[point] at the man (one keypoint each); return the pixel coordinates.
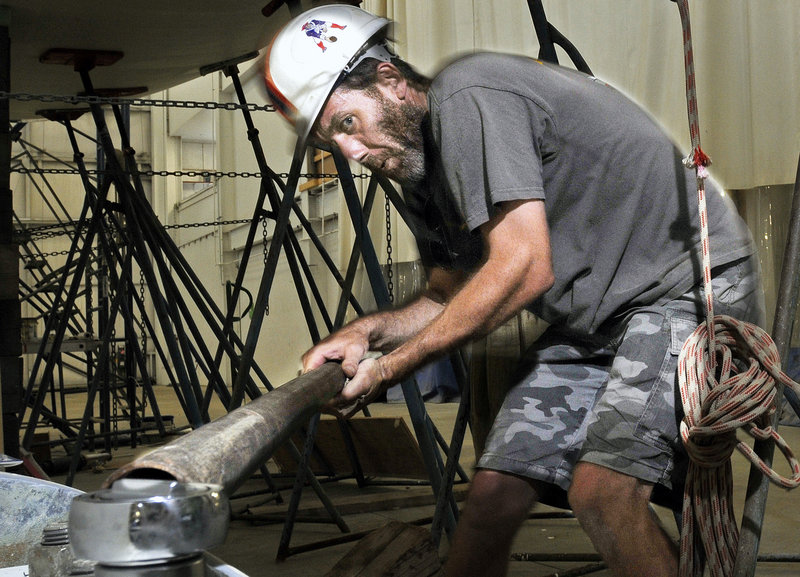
(535, 186)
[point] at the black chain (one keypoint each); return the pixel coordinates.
(47, 231)
(210, 223)
(264, 248)
(389, 262)
(91, 99)
(189, 173)
(143, 333)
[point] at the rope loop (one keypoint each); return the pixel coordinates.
(739, 392)
(736, 389)
(729, 377)
(708, 452)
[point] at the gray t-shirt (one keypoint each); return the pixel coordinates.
(621, 207)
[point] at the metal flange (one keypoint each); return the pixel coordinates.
(138, 521)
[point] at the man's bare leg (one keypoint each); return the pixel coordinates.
(496, 506)
(614, 511)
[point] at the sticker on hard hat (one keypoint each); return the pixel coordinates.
(318, 31)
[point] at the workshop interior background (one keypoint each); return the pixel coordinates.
(747, 60)
(199, 170)
(201, 177)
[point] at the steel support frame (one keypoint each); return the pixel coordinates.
(58, 323)
(10, 328)
(283, 238)
(758, 484)
(146, 240)
(441, 477)
(144, 235)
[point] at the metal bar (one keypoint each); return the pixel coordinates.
(300, 480)
(227, 450)
(136, 213)
(785, 309)
(571, 50)
(271, 265)
(93, 388)
(51, 322)
(161, 241)
(313, 287)
(352, 265)
(323, 253)
(44, 198)
(287, 240)
(162, 307)
(445, 496)
(367, 248)
(423, 426)
(59, 324)
(171, 303)
(127, 312)
(547, 51)
(397, 200)
(350, 447)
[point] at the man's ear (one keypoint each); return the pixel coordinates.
(390, 78)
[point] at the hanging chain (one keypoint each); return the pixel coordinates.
(188, 173)
(89, 303)
(114, 373)
(264, 247)
(47, 231)
(147, 102)
(143, 345)
(389, 268)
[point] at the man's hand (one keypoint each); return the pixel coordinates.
(365, 378)
(348, 345)
(363, 388)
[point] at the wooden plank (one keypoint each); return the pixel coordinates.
(315, 182)
(394, 550)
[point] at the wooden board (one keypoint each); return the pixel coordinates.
(384, 445)
(394, 550)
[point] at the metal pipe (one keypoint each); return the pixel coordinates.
(227, 450)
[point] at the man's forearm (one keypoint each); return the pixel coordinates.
(517, 271)
(480, 307)
(389, 329)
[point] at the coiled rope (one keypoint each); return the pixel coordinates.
(729, 377)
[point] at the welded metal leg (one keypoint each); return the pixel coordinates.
(786, 307)
(355, 255)
(302, 470)
(57, 324)
(445, 496)
(10, 341)
(423, 426)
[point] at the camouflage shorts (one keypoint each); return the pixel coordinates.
(611, 400)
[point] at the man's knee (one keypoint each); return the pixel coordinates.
(600, 492)
(501, 495)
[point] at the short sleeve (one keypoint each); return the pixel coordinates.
(490, 142)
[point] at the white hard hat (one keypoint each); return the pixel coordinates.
(309, 54)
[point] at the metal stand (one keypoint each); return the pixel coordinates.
(758, 484)
(425, 430)
(127, 231)
(10, 344)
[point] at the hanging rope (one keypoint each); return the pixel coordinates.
(729, 377)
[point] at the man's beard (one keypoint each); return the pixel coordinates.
(403, 125)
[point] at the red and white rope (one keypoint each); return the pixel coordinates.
(729, 374)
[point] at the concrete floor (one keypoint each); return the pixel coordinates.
(252, 547)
